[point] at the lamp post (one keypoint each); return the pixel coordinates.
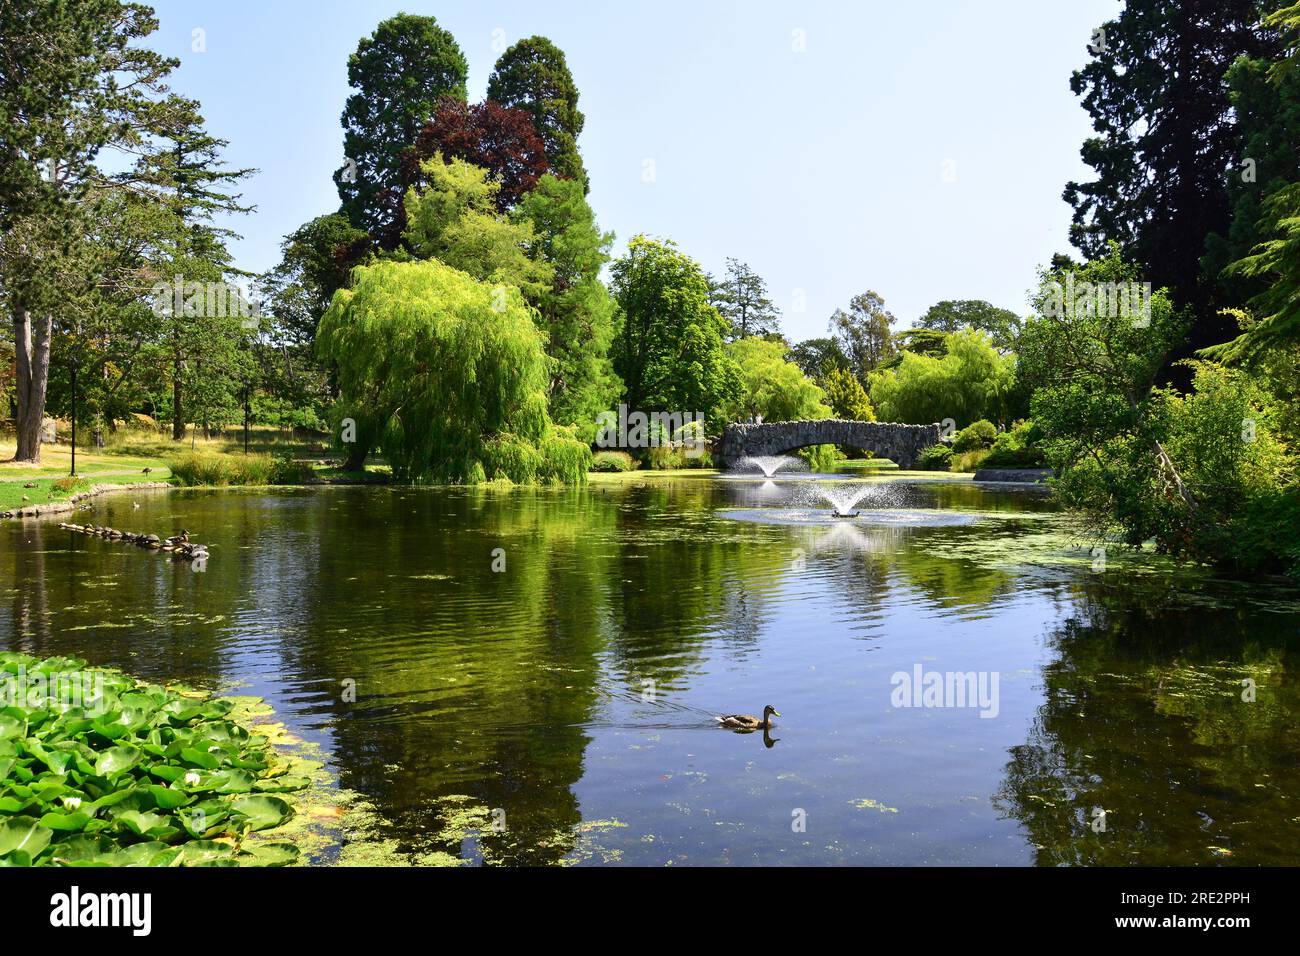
(74, 420)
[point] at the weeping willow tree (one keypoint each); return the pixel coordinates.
(447, 375)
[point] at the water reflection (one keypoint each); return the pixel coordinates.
(556, 655)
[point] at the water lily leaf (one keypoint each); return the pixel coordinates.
(66, 822)
(12, 726)
(14, 805)
(283, 784)
(232, 781)
(269, 854)
(198, 852)
(109, 730)
(56, 760)
(140, 854)
(168, 799)
(84, 850)
(114, 797)
(143, 823)
(116, 760)
(16, 858)
(168, 772)
(23, 833)
(261, 812)
(198, 758)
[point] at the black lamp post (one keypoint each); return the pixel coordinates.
(74, 420)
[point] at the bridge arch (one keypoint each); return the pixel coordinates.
(902, 444)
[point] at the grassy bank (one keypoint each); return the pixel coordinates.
(138, 456)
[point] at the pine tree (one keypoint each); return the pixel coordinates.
(741, 298)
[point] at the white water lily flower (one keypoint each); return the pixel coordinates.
(72, 803)
(192, 778)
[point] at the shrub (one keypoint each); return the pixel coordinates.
(285, 470)
(980, 434)
(558, 458)
(565, 459)
(1017, 448)
(820, 458)
(208, 469)
(935, 458)
(613, 461)
(69, 484)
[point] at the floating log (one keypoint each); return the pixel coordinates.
(184, 550)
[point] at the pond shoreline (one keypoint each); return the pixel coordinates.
(64, 507)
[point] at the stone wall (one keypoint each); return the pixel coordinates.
(899, 443)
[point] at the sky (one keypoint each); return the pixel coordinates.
(915, 150)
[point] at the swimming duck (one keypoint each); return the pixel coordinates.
(182, 538)
(749, 721)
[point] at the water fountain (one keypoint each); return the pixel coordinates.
(770, 464)
(842, 497)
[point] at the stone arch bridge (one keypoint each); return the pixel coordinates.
(902, 444)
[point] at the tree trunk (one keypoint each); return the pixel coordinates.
(178, 408)
(33, 353)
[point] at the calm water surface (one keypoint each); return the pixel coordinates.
(571, 691)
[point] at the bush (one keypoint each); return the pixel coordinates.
(208, 469)
(565, 459)
(286, 471)
(820, 458)
(980, 434)
(935, 458)
(1017, 448)
(613, 461)
(69, 484)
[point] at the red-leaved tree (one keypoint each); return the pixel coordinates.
(501, 140)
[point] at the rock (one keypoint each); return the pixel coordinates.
(1013, 474)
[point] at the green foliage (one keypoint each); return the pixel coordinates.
(1002, 325)
(315, 260)
(818, 356)
(971, 381)
(1164, 142)
(864, 333)
(846, 396)
(447, 374)
(1219, 444)
(532, 75)
(669, 349)
(576, 310)
(978, 434)
(613, 461)
(1016, 448)
(211, 469)
(820, 458)
(935, 458)
(771, 386)
(101, 770)
(930, 342)
(399, 73)
(456, 221)
(741, 298)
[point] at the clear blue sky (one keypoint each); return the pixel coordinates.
(824, 169)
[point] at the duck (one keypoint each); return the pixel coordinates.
(182, 538)
(749, 721)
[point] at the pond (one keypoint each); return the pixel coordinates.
(527, 676)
